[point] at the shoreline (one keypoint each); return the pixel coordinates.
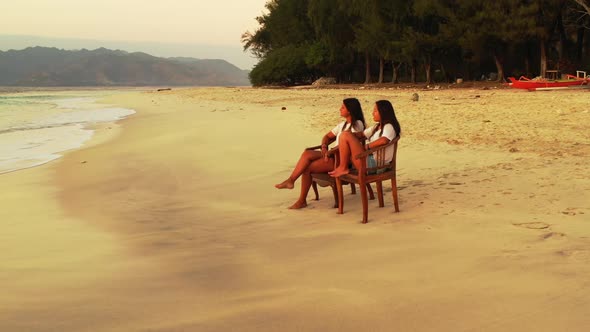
(101, 133)
(71, 122)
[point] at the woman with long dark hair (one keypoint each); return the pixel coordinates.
(313, 161)
(386, 129)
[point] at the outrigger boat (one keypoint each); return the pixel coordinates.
(581, 80)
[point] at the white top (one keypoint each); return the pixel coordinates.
(388, 131)
(358, 127)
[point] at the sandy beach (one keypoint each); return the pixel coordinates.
(169, 219)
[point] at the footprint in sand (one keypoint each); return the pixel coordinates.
(532, 225)
(418, 183)
(570, 211)
(575, 254)
(552, 235)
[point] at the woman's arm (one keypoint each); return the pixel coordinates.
(386, 136)
(375, 144)
(328, 138)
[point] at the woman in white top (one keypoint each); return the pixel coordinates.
(387, 128)
(313, 161)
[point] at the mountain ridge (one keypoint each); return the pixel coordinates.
(50, 66)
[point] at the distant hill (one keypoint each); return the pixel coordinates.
(43, 66)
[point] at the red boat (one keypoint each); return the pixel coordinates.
(571, 81)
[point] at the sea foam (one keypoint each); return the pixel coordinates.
(35, 130)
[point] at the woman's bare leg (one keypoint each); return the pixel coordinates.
(307, 157)
(317, 166)
(348, 146)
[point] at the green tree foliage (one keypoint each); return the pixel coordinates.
(300, 40)
(576, 26)
(396, 16)
(285, 24)
(494, 33)
(281, 42)
(369, 28)
(332, 48)
(284, 66)
(424, 38)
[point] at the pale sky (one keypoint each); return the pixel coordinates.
(190, 22)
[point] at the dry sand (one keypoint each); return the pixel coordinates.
(171, 222)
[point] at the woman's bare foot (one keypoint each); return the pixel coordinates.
(287, 184)
(298, 205)
(338, 172)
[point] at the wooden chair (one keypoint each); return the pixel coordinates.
(325, 180)
(365, 176)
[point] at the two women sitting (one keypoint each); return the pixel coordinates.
(349, 140)
(385, 130)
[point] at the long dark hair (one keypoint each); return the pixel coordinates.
(387, 115)
(356, 112)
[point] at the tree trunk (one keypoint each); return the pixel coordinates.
(444, 73)
(499, 69)
(428, 70)
(394, 78)
(580, 44)
(562, 42)
(381, 65)
(413, 72)
(367, 68)
(543, 58)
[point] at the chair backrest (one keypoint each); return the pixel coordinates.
(379, 156)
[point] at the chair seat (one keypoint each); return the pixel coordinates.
(325, 180)
(353, 177)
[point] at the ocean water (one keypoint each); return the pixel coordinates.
(38, 127)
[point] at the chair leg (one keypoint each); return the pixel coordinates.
(370, 189)
(352, 189)
(380, 193)
(314, 185)
(365, 202)
(335, 192)
(340, 196)
(394, 193)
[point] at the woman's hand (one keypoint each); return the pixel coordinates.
(325, 152)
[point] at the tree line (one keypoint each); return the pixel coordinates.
(377, 41)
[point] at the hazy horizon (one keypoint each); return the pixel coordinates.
(232, 54)
(188, 28)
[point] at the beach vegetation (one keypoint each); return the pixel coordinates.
(375, 41)
(284, 66)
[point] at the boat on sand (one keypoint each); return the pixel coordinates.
(581, 80)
